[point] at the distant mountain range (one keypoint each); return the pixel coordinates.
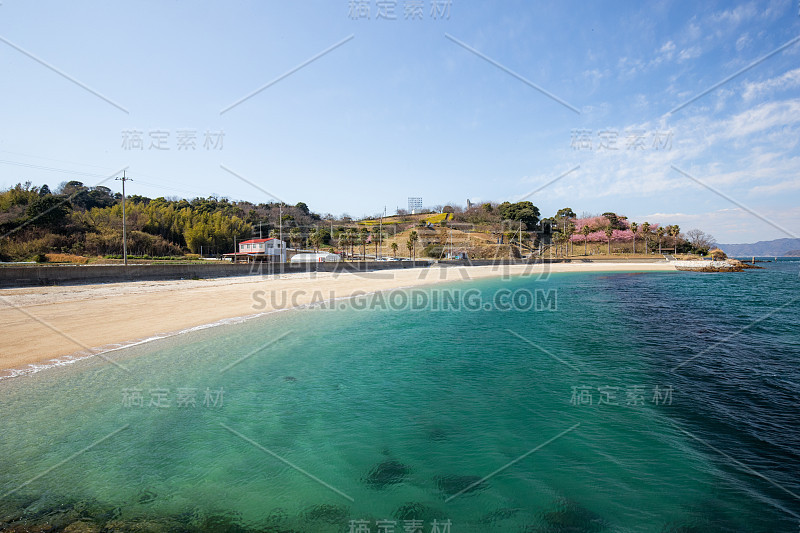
(776, 248)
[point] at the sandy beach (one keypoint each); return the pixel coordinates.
(44, 323)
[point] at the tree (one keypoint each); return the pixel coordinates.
(700, 241)
(44, 190)
(646, 234)
(566, 212)
(341, 238)
(609, 231)
(674, 231)
(614, 220)
(413, 238)
(634, 227)
(296, 236)
(585, 230)
(524, 211)
(562, 218)
(394, 249)
(659, 233)
(363, 233)
(570, 233)
(316, 239)
(377, 237)
(351, 239)
(48, 211)
(410, 246)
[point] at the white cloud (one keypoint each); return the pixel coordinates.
(629, 67)
(689, 53)
(778, 114)
(595, 75)
(788, 80)
(743, 41)
(668, 48)
(784, 186)
(737, 15)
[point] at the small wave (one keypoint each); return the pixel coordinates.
(57, 362)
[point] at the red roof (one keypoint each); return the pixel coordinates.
(252, 241)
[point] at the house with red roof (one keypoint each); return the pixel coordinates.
(271, 249)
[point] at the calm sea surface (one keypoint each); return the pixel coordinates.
(608, 402)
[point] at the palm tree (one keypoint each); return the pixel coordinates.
(394, 249)
(645, 233)
(362, 239)
(410, 246)
(296, 236)
(660, 233)
(570, 233)
(674, 231)
(413, 238)
(609, 232)
(315, 239)
(585, 230)
(634, 227)
(351, 239)
(341, 237)
(381, 238)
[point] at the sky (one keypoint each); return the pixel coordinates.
(672, 112)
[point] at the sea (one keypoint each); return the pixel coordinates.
(546, 402)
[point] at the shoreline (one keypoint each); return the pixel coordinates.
(47, 327)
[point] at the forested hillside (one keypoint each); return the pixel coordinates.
(83, 220)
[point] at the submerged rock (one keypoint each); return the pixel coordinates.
(570, 516)
(387, 473)
(147, 496)
(329, 514)
(437, 434)
(82, 527)
(454, 484)
(417, 511)
(136, 526)
(25, 527)
(498, 515)
(220, 523)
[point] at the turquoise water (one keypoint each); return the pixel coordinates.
(307, 420)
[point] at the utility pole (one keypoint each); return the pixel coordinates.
(380, 233)
(123, 179)
(280, 226)
(260, 225)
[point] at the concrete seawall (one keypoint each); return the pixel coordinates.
(31, 275)
(21, 276)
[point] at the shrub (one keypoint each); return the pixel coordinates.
(40, 258)
(433, 250)
(67, 258)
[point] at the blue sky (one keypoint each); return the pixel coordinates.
(421, 106)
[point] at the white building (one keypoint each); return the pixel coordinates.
(414, 204)
(319, 257)
(271, 249)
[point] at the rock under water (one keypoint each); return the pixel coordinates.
(387, 473)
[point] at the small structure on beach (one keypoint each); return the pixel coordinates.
(270, 250)
(318, 257)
